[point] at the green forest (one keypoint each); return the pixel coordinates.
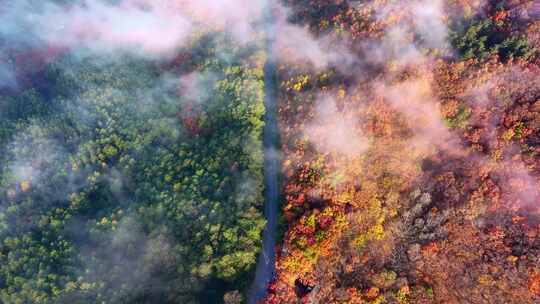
(123, 186)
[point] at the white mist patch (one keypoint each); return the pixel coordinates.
(425, 18)
(520, 189)
(415, 100)
(32, 155)
(240, 18)
(247, 191)
(197, 87)
(150, 28)
(295, 44)
(126, 27)
(429, 21)
(395, 48)
(7, 76)
(421, 28)
(335, 131)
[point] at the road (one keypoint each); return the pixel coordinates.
(272, 167)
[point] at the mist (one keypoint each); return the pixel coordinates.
(335, 131)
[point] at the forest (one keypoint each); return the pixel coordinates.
(411, 165)
(123, 183)
(133, 160)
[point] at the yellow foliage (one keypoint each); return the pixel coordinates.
(485, 279)
(104, 221)
(341, 93)
(508, 134)
(25, 186)
(300, 82)
(376, 232)
(379, 300)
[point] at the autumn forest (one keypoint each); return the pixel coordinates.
(265, 152)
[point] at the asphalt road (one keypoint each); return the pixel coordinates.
(266, 264)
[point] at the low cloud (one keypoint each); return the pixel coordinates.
(296, 45)
(414, 99)
(32, 154)
(334, 130)
(7, 76)
(425, 19)
(144, 27)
